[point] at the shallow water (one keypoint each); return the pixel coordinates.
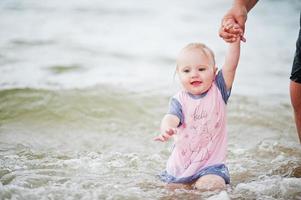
(84, 86)
(97, 143)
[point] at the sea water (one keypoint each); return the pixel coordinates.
(84, 85)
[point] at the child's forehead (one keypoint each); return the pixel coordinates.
(193, 55)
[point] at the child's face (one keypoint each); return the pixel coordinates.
(195, 70)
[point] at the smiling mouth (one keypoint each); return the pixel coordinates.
(196, 83)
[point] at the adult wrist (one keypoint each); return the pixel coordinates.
(246, 4)
(241, 3)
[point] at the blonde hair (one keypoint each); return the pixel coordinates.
(205, 50)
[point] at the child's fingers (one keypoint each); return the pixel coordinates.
(228, 36)
(234, 31)
(227, 27)
(237, 29)
(167, 135)
(159, 138)
(233, 28)
(236, 26)
(170, 132)
(231, 31)
(164, 137)
(228, 22)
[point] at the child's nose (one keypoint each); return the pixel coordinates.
(194, 73)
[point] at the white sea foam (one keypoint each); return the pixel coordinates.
(270, 187)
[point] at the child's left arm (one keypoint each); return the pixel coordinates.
(231, 62)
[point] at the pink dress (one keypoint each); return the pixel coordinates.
(201, 139)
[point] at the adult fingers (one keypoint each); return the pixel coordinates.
(228, 37)
(227, 20)
(235, 30)
(242, 38)
(241, 20)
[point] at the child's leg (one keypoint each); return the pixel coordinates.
(174, 186)
(210, 182)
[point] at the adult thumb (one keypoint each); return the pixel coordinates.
(241, 20)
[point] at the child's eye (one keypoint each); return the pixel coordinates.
(186, 70)
(202, 69)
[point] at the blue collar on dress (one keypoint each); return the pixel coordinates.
(198, 96)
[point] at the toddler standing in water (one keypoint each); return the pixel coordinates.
(197, 118)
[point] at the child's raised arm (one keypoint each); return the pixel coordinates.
(231, 62)
(168, 127)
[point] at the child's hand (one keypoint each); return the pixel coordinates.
(234, 31)
(165, 136)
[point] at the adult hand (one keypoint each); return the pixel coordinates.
(237, 14)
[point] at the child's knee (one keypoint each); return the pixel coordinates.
(174, 186)
(210, 182)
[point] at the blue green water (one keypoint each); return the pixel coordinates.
(97, 143)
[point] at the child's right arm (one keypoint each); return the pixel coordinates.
(168, 127)
(232, 57)
(231, 62)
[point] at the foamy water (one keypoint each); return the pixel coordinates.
(84, 85)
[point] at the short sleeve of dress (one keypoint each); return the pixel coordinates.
(220, 82)
(175, 108)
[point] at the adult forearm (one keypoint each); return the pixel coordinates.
(248, 4)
